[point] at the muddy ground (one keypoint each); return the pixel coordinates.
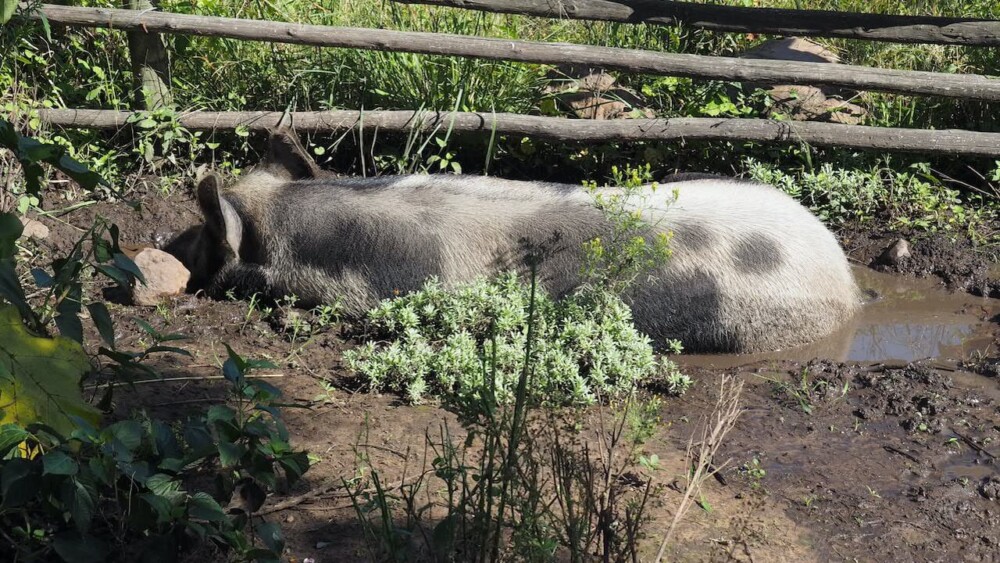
(861, 462)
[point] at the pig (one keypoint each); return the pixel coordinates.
(751, 269)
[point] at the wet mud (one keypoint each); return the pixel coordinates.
(879, 444)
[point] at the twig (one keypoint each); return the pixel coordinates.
(972, 444)
(173, 379)
(315, 494)
(193, 401)
(727, 411)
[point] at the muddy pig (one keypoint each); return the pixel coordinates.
(752, 269)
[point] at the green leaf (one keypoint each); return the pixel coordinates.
(230, 454)
(129, 432)
(10, 289)
(115, 274)
(169, 350)
(254, 495)
(199, 440)
(68, 319)
(126, 264)
(10, 230)
(57, 462)
(7, 9)
(270, 534)
(161, 506)
(78, 172)
(19, 482)
(204, 507)
(231, 371)
(102, 469)
(81, 506)
(46, 377)
(10, 436)
(102, 249)
(102, 320)
(295, 465)
(165, 440)
(41, 277)
(75, 547)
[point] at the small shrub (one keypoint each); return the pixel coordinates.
(913, 198)
(430, 341)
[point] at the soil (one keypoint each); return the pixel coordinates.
(860, 462)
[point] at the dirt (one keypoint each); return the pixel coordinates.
(854, 461)
(954, 260)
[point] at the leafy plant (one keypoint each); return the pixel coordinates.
(40, 377)
(429, 342)
(632, 247)
(521, 485)
(31, 153)
(75, 492)
(132, 490)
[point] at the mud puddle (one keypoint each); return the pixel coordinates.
(907, 320)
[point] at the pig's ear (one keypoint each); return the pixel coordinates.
(287, 157)
(221, 219)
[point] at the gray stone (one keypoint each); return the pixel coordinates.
(895, 253)
(594, 94)
(792, 49)
(801, 102)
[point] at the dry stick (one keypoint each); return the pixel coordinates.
(817, 23)
(172, 379)
(322, 491)
(724, 416)
(967, 86)
(943, 141)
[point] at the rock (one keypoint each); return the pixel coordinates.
(990, 488)
(792, 49)
(895, 253)
(592, 94)
(165, 276)
(807, 103)
(34, 229)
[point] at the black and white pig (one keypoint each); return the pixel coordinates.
(752, 269)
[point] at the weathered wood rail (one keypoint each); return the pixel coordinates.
(966, 86)
(813, 23)
(957, 142)
(725, 18)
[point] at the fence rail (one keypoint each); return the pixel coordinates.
(957, 142)
(967, 86)
(816, 23)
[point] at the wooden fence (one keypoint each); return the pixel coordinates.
(812, 23)
(897, 28)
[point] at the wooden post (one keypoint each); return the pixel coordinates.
(150, 63)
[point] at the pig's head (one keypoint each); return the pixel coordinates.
(234, 214)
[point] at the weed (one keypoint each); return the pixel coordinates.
(754, 472)
(427, 342)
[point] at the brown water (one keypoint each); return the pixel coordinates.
(911, 319)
